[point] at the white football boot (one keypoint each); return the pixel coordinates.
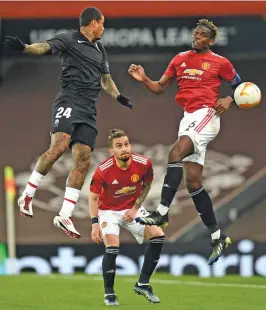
(66, 224)
(25, 205)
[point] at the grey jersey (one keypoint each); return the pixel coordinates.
(83, 62)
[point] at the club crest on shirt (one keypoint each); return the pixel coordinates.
(205, 66)
(134, 178)
(104, 224)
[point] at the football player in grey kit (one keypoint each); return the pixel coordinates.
(85, 70)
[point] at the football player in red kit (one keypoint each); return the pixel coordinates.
(118, 188)
(198, 73)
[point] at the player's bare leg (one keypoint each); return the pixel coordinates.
(151, 258)
(81, 158)
(203, 204)
(59, 143)
(112, 244)
(182, 148)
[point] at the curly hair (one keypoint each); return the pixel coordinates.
(210, 25)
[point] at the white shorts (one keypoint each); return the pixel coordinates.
(110, 222)
(202, 126)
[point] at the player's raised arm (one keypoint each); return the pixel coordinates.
(32, 49)
(37, 49)
(108, 84)
(110, 88)
(157, 87)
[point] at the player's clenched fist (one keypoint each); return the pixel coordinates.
(96, 234)
(137, 72)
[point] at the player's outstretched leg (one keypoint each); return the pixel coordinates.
(182, 148)
(204, 207)
(81, 156)
(203, 204)
(59, 142)
(151, 259)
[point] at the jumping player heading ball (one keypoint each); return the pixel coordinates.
(199, 73)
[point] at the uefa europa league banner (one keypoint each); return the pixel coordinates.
(151, 35)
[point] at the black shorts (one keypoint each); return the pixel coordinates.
(75, 116)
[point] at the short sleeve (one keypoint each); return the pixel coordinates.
(148, 177)
(171, 69)
(59, 42)
(105, 63)
(96, 182)
(227, 71)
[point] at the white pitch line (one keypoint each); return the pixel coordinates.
(200, 283)
(161, 281)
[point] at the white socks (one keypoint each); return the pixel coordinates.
(162, 209)
(216, 235)
(33, 183)
(70, 200)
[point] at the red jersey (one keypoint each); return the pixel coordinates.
(119, 189)
(199, 77)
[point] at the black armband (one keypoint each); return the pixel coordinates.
(94, 220)
(234, 84)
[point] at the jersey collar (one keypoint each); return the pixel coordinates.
(192, 52)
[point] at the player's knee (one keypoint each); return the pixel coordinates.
(174, 154)
(193, 185)
(82, 157)
(154, 232)
(181, 149)
(56, 151)
(111, 240)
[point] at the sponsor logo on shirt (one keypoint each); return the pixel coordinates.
(193, 72)
(134, 178)
(126, 190)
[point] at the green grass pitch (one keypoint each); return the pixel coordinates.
(82, 292)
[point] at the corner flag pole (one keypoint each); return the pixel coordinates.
(10, 193)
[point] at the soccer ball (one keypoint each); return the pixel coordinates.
(247, 95)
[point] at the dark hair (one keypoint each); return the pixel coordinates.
(88, 15)
(115, 133)
(210, 25)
